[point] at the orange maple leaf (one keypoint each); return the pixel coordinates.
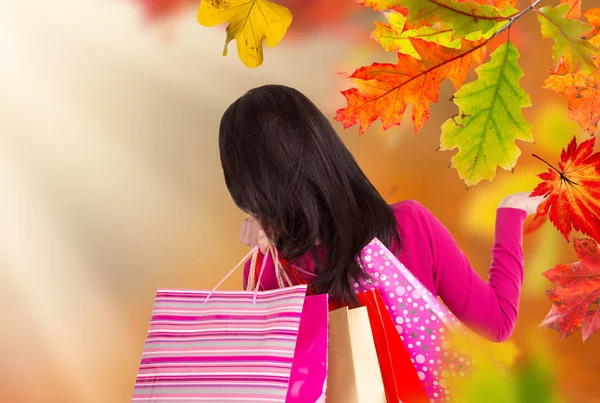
(577, 295)
(384, 90)
(572, 190)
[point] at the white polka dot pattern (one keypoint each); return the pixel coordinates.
(422, 321)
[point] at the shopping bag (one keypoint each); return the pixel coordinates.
(309, 368)
(399, 375)
(219, 346)
(422, 321)
(354, 375)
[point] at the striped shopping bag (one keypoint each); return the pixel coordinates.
(220, 346)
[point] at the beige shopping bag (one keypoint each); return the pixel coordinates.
(353, 375)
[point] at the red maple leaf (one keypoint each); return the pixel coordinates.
(384, 90)
(573, 190)
(576, 298)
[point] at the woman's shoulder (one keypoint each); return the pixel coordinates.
(406, 209)
(413, 216)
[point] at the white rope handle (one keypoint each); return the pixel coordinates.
(230, 273)
(283, 279)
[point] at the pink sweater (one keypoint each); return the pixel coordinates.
(430, 252)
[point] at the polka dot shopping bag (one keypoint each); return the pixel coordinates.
(423, 322)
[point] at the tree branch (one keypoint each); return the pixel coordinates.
(515, 17)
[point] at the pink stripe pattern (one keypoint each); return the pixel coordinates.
(226, 349)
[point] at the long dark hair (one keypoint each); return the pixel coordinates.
(284, 163)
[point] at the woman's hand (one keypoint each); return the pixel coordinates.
(252, 234)
(522, 201)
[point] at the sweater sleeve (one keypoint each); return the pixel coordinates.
(490, 307)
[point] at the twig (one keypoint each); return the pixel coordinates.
(561, 174)
(515, 17)
(545, 162)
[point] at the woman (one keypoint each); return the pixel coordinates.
(285, 165)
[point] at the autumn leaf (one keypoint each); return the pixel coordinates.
(593, 17)
(489, 119)
(574, 8)
(499, 4)
(250, 21)
(573, 190)
(463, 18)
(384, 90)
(571, 52)
(576, 298)
(394, 38)
(582, 89)
(583, 93)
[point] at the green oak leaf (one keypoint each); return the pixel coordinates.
(489, 119)
(570, 51)
(462, 17)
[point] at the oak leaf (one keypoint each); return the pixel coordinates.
(571, 51)
(573, 190)
(384, 90)
(463, 18)
(250, 21)
(576, 298)
(393, 37)
(489, 119)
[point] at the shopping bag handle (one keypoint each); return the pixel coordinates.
(262, 270)
(283, 279)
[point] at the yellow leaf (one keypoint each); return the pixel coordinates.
(250, 21)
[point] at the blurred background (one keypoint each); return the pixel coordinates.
(111, 186)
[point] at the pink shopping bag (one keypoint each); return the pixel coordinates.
(424, 323)
(308, 378)
(221, 346)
